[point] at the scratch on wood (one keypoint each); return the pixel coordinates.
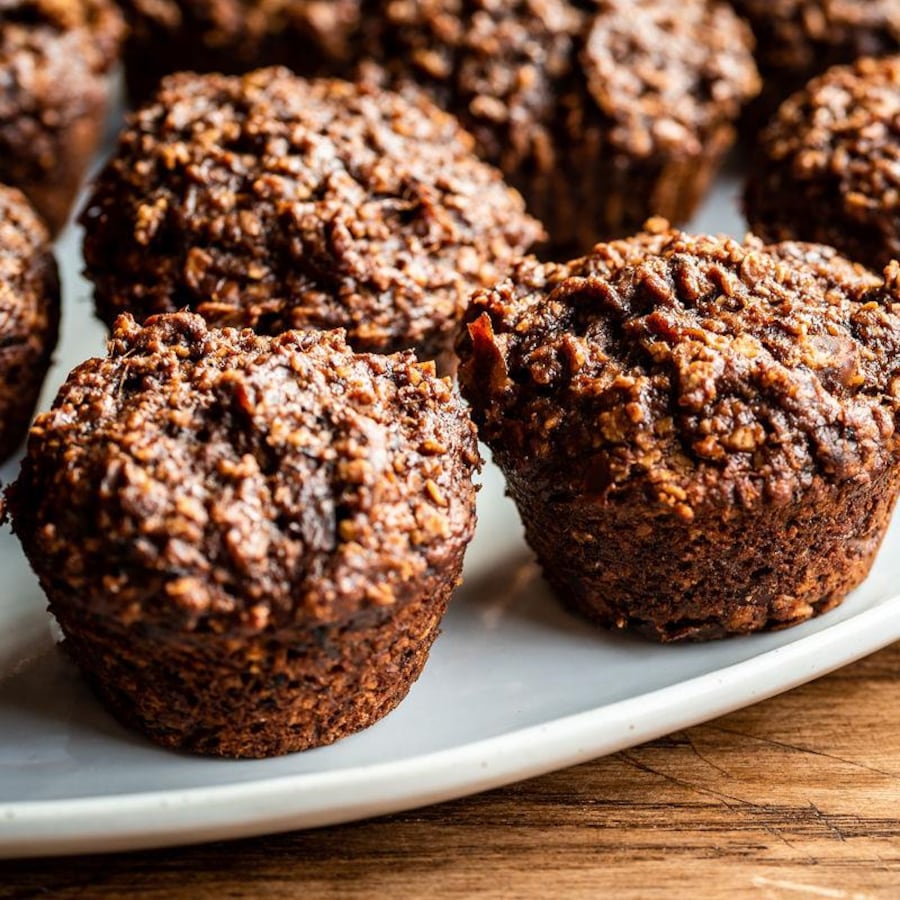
(772, 830)
(702, 758)
(828, 823)
(766, 740)
(718, 795)
(812, 889)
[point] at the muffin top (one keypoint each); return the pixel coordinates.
(90, 31)
(665, 73)
(839, 139)
(240, 28)
(688, 372)
(272, 202)
(809, 35)
(524, 75)
(219, 480)
(498, 65)
(27, 275)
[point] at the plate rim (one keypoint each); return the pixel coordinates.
(183, 816)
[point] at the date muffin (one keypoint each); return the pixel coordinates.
(55, 62)
(600, 113)
(29, 315)
(799, 39)
(827, 168)
(272, 202)
(313, 37)
(248, 541)
(700, 434)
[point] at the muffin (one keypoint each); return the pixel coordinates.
(600, 114)
(55, 63)
(272, 202)
(700, 435)
(314, 37)
(248, 542)
(798, 39)
(827, 168)
(29, 315)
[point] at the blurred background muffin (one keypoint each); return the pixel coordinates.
(233, 36)
(797, 39)
(56, 57)
(601, 114)
(273, 202)
(827, 168)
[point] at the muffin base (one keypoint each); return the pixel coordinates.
(52, 187)
(22, 379)
(590, 195)
(723, 573)
(780, 207)
(259, 696)
(54, 196)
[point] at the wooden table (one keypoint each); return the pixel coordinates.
(797, 797)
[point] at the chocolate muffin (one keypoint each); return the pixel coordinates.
(314, 37)
(600, 113)
(827, 168)
(29, 315)
(271, 202)
(248, 542)
(55, 62)
(798, 39)
(700, 435)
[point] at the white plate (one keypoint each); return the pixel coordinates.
(515, 687)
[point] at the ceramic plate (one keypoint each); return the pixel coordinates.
(515, 687)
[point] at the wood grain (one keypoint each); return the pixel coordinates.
(797, 797)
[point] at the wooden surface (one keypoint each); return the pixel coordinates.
(797, 797)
